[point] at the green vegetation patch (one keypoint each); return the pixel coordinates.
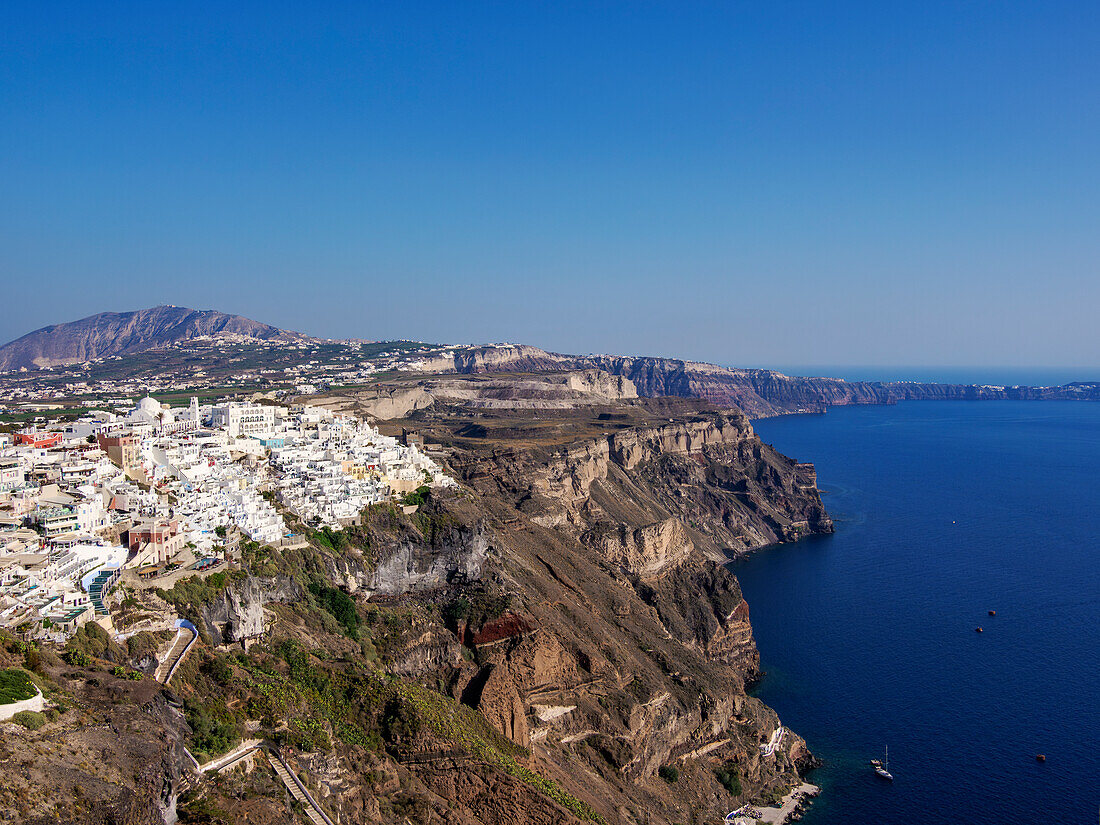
(339, 604)
(16, 686)
(31, 720)
(417, 497)
(729, 775)
(214, 728)
(335, 540)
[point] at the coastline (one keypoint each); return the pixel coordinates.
(789, 809)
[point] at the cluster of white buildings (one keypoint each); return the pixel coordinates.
(81, 501)
(331, 473)
(46, 586)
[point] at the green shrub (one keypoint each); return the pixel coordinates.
(417, 497)
(730, 777)
(90, 639)
(335, 540)
(15, 686)
(455, 611)
(400, 722)
(669, 773)
(142, 644)
(214, 729)
(339, 604)
(219, 670)
(31, 720)
(76, 658)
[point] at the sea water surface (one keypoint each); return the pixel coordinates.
(943, 511)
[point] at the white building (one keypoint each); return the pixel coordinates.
(11, 474)
(244, 419)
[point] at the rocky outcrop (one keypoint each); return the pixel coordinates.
(555, 391)
(237, 614)
(116, 755)
(412, 566)
(124, 333)
(645, 551)
(493, 692)
(386, 402)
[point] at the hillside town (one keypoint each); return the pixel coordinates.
(138, 495)
(206, 367)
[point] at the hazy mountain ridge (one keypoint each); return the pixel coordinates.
(123, 333)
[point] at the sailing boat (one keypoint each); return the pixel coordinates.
(882, 768)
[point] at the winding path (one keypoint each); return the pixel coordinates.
(297, 789)
(186, 636)
(773, 743)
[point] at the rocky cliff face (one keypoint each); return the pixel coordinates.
(561, 391)
(115, 756)
(708, 482)
(237, 614)
(407, 564)
(759, 393)
(122, 333)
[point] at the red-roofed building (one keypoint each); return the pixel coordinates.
(34, 438)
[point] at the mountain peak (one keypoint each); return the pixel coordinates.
(122, 333)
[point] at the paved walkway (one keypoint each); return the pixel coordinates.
(186, 636)
(227, 759)
(773, 815)
(777, 816)
(298, 790)
(773, 743)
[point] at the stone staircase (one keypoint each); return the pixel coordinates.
(298, 791)
(185, 637)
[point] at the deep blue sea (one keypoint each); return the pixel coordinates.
(944, 511)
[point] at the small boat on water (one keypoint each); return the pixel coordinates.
(882, 768)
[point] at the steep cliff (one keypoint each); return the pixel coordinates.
(534, 646)
(757, 392)
(563, 391)
(111, 753)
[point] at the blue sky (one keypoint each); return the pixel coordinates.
(750, 183)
